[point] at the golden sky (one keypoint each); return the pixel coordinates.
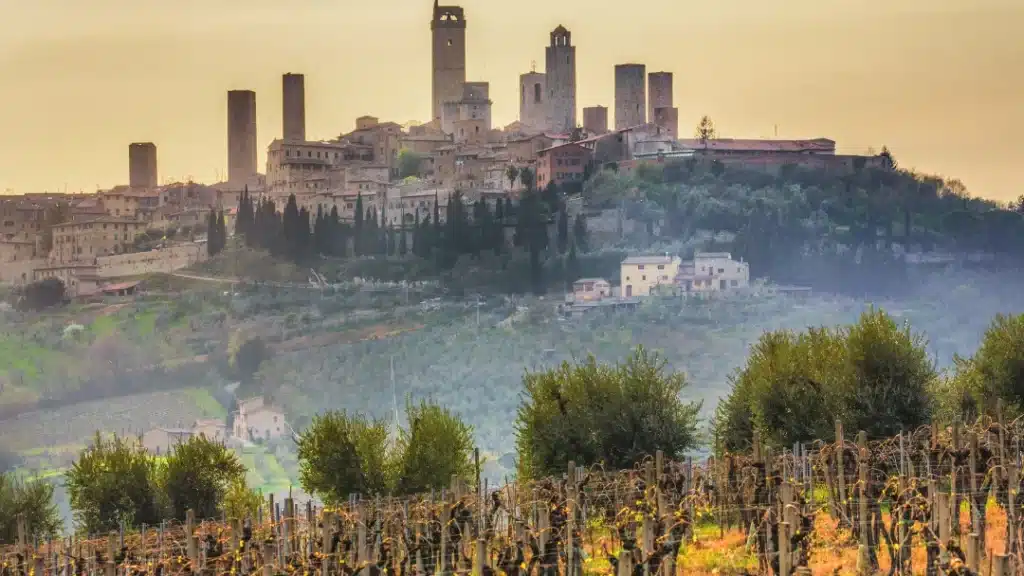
(941, 82)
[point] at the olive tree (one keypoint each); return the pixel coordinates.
(875, 375)
(197, 474)
(436, 446)
(34, 499)
(594, 413)
(341, 454)
(113, 481)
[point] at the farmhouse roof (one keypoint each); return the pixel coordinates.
(659, 259)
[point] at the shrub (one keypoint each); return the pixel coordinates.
(42, 294)
(436, 446)
(32, 498)
(113, 481)
(592, 413)
(874, 375)
(997, 368)
(341, 454)
(197, 474)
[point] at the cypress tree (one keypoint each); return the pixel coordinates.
(563, 229)
(572, 267)
(579, 232)
(403, 241)
(357, 231)
(211, 234)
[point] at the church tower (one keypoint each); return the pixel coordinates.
(448, 28)
(561, 81)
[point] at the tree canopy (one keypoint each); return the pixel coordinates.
(113, 481)
(34, 499)
(342, 454)
(875, 375)
(197, 474)
(590, 413)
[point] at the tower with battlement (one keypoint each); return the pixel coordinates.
(448, 30)
(560, 71)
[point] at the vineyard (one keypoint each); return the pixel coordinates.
(934, 501)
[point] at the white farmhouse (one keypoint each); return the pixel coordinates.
(257, 420)
(713, 272)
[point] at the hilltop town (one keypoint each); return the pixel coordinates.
(102, 242)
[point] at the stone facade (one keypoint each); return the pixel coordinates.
(630, 103)
(595, 120)
(241, 135)
(293, 89)
(533, 101)
(142, 171)
(560, 71)
(448, 29)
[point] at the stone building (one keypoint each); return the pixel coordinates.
(473, 105)
(241, 135)
(560, 68)
(660, 102)
(448, 29)
(533, 101)
(142, 165)
(595, 120)
(85, 240)
(630, 102)
(293, 89)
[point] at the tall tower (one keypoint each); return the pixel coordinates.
(533, 101)
(142, 165)
(659, 90)
(595, 120)
(660, 108)
(561, 79)
(448, 28)
(241, 135)
(630, 103)
(293, 87)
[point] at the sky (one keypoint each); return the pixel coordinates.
(940, 82)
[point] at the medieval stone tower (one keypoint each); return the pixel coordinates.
(448, 28)
(561, 81)
(630, 100)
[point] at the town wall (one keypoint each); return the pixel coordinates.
(163, 260)
(19, 272)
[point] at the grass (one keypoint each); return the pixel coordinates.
(145, 323)
(206, 403)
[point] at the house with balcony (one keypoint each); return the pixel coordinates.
(713, 272)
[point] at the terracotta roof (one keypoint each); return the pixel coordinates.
(562, 146)
(119, 286)
(658, 259)
(736, 145)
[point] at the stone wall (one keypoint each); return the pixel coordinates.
(19, 272)
(163, 260)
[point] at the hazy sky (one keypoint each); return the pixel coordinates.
(941, 82)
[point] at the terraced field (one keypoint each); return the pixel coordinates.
(67, 429)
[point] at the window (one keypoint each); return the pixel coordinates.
(643, 277)
(640, 267)
(661, 266)
(734, 283)
(449, 41)
(721, 270)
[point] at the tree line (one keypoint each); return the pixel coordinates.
(875, 375)
(466, 229)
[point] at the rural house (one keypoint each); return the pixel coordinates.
(638, 274)
(713, 272)
(590, 289)
(160, 441)
(257, 420)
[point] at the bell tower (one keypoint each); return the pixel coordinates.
(448, 29)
